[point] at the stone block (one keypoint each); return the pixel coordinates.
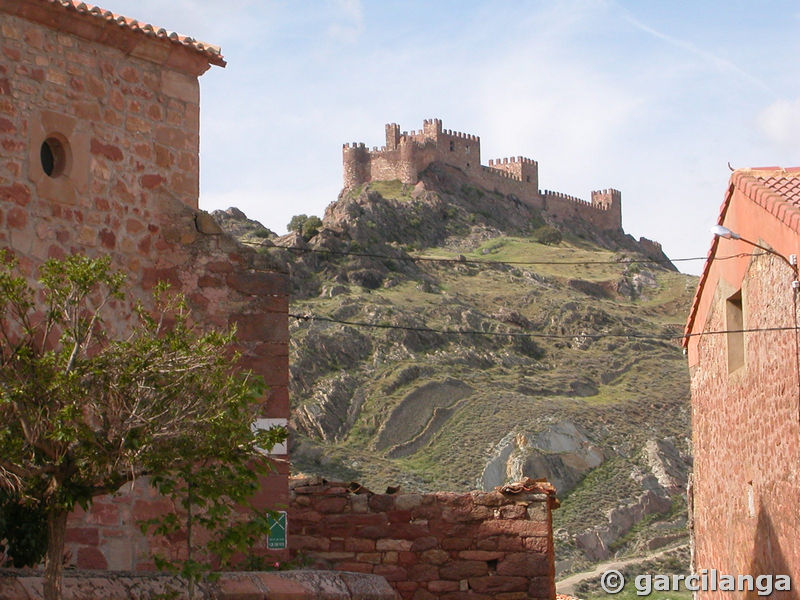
(383, 545)
(497, 583)
(435, 556)
(180, 86)
(354, 566)
(513, 527)
(423, 572)
(89, 557)
(87, 536)
(463, 569)
(381, 502)
(524, 564)
(424, 543)
(391, 572)
(457, 543)
(405, 502)
(442, 585)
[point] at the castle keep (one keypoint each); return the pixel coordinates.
(407, 154)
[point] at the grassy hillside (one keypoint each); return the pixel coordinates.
(418, 383)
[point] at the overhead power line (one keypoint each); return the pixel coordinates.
(472, 261)
(512, 334)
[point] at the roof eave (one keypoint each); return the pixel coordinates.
(128, 35)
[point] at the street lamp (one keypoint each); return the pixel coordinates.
(724, 232)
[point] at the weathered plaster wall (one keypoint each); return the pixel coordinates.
(444, 545)
(129, 189)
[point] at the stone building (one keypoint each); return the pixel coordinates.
(99, 130)
(407, 154)
(745, 383)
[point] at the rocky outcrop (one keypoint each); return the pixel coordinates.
(561, 453)
(236, 223)
(333, 409)
(664, 480)
(596, 542)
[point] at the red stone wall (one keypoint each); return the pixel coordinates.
(451, 546)
(129, 190)
(746, 432)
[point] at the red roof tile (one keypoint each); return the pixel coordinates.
(211, 52)
(777, 190)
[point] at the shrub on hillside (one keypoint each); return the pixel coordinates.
(548, 235)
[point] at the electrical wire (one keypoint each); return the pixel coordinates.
(630, 334)
(462, 260)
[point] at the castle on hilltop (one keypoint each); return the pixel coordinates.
(407, 154)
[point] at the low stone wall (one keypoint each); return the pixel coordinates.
(285, 585)
(478, 545)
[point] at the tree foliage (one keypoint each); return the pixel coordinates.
(86, 406)
(548, 235)
(307, 226)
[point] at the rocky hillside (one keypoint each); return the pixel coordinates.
(535, 349)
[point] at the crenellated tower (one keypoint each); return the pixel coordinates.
(408, 153)
(609, 200)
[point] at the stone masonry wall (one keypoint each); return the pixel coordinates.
(745, 435)
(126, 186)
(451, 546)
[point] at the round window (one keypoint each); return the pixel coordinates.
(54, 157)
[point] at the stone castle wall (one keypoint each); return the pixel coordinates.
(124, 183)
(407, 154)
(443, 545)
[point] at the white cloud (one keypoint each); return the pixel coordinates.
(780, 123)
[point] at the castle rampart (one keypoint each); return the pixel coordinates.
(406, 154)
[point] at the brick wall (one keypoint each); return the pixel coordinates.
(125, 110)
(443, 545)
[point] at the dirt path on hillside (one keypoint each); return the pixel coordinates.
(568, 585)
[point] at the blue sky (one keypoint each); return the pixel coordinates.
(652, 98)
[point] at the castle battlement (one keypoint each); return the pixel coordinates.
(561, 196)
(406, 154)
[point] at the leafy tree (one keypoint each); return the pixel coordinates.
(83, 411)
(311, 227)
(548, 235)
(296, 223)
(307, 226)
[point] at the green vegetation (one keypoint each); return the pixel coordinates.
(393, 190)
(305, 225)
(548, 235)
(85, 408)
